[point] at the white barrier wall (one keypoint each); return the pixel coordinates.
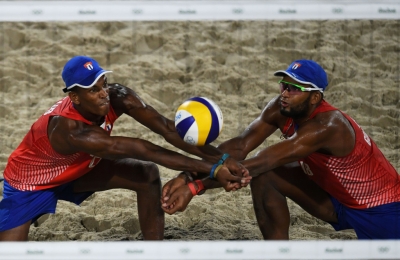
(195, 10)
(192, 11)
(229, 250)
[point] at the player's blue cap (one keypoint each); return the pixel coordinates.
(306, 72)
(81, 71)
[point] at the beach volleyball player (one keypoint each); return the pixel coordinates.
(68, 154)
(325, 163)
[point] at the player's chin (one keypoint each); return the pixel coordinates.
(104, 109)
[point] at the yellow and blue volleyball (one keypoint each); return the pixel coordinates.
(198, 121)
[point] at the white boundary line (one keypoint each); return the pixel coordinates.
(195, 10)
(229, 250)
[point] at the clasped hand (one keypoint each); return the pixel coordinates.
(176, 195)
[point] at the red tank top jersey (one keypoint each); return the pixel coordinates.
(34, 165)
(362, 179)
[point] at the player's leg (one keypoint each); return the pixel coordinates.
(142, 177)
(18, 209)
(269, 192)
(19, 233)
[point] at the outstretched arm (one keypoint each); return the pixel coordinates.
(68, 136)
(311, 137)
(125, 100)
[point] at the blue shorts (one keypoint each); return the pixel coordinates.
(18, 207)
(380, 222)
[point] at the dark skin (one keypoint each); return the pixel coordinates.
(275, 170)
(128, 163)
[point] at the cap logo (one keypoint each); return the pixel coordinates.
(88, 65)
(296, 66)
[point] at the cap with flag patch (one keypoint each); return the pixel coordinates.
(306, 72)
(81, 71)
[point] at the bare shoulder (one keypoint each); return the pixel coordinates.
(334, 120)
(63, 125)
(123, 98)
(271, 113)
(63, 131)
(117, 90)
(334, 131)
(59, 129)
(273, 104)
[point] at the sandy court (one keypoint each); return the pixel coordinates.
(231, 62)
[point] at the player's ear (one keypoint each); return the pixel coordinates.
(74, 97)
(316, 97)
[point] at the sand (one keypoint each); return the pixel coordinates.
(230, 62)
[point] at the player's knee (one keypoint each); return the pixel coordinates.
(152, 173)
(143, 172)
(148, 172)
(261, 182)
(265, 190)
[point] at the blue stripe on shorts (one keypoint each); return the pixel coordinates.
(380, 222)
(19, 207)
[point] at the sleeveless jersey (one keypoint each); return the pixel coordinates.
(35, 165)
(362, 179)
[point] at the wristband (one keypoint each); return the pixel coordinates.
(213, 170)
(192, 188)
(200, 185)
(223, 158)
(216, 170)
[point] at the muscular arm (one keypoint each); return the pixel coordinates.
(329, 134)
(125, 100)
(69, 136)
(256, 133)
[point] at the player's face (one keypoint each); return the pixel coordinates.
(295, 106)
(95, 101)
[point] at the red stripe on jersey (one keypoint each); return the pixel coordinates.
(34, 165)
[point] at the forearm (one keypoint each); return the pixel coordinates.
(143, 150)
(235, 148)
(269, 159)
(206, 152)
(255, 166)
(211, 184)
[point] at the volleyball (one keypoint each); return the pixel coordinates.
(198, 121)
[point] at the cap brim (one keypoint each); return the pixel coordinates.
(281, 73)
(98, 76)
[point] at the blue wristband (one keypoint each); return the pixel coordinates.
(213, 170)
(223, 158)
